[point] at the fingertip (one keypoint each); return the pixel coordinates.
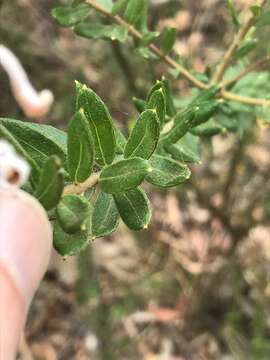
(12, 315)
(25, 240)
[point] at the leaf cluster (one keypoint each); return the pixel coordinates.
(92, 175)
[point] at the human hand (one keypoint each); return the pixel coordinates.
(25, 246)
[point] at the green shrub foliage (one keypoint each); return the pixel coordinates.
(94, 154)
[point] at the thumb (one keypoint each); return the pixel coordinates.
(25, 245)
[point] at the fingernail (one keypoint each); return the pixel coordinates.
(25, 240)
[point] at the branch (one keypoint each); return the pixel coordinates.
(258, 65)
(173, 64)
(82, 187)
(244, 99)
(137, 35)
(228, 56)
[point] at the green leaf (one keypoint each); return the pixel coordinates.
(157, 86)
(134, 208)
(120, 140)
(35, 170)
(164, 84)
(186, 120)
(230, 123)
(205, 95)
(75, 3)
(90, 193)
(167, 40)
(38, 141)
(233, 13)
(247, 46)
(99, 31)
(144, 136)
(106, 4)
(167, 172)
(203, 111)
(183, 153)
(123, 175)
(210, 128)
(187, 149)
(182, 124)
(69, 16)
(51, 183)
(139, 104)
(146, 53)
(105, 216)
(100, 123)
(73, 213)
(157, 102)
(170, 108)
(149, 37)
(264, 19)
(255, 84)
(70, 244)
(80, 146)
(119, 6)
(142, 23)
(256, 10)
(134, 11)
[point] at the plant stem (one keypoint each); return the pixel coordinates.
(244, 99)
(183, 71)
(260, 64)
(229, 54)
(82, 187)
(137, 35)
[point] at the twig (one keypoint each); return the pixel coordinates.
(82, 187)
(244, 99)
(173, 64)
(258, 65)
(228, 56)
(137, 35)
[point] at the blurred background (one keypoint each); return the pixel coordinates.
(195, 285)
